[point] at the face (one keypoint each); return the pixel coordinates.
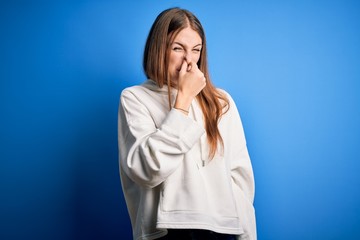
(185, 47)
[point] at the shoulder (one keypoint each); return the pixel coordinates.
(227, 96)
(138, 91)
(224, 93)
(146, 95)
(132, 90)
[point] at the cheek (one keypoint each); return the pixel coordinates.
(175, 62)
(196, 59)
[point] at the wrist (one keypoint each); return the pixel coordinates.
(183, 101)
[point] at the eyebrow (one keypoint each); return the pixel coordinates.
(197, 45)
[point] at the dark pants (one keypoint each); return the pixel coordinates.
(196, 234)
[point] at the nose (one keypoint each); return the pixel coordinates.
(188, 56)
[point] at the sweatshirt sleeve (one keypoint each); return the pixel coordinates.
(149, 154)
(241, 172)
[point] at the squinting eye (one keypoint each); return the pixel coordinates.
(196, 50)
(177, 49)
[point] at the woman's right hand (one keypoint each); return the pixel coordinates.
(191, 82)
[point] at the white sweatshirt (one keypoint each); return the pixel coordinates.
(168, 180)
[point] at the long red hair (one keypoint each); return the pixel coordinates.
(155, 63)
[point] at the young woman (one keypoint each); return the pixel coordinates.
(184, 165)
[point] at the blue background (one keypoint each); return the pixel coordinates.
(293, 68)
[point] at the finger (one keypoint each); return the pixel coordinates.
(194, 66)
(189, 66)
(184, 66)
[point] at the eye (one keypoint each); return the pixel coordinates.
(177, 49)
(197, 50)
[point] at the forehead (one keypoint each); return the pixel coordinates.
(188, 37)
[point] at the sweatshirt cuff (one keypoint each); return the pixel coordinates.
(182, 127)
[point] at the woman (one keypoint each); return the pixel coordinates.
(184, 165)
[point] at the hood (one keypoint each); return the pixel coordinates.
(152, 85)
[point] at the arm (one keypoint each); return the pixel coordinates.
(241, 173)
(150, 154)
(240, 163)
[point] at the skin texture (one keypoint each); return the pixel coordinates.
(184, 72)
